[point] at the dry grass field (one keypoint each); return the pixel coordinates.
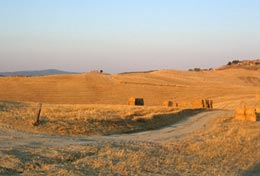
(88, 119)
(223, 146)
(226, 87)
(87, 128)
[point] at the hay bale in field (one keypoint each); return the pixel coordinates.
(207, 104)
(136, 101)
(139, 101)
(246, 113)
(211, 104)
(204, 105)
(131, 101)
(198, 103)
(250, 110)
(257, 109)
(182, 105)
(168, 103)
(240, 113)
(250, 114)
(240, 110)
(251, 118)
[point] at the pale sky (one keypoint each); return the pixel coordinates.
(126, 35)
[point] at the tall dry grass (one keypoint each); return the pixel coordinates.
(88, 119)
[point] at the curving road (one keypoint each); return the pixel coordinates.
(13, 138)
(175, 131)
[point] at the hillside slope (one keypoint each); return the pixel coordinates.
(226, 87)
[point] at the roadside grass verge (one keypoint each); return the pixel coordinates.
(89, 119)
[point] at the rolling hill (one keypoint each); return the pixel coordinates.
(101, 133)
(226, 87)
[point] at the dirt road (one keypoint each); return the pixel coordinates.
(174, 131)
(10, 137)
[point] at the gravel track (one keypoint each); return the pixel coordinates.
(10, 137)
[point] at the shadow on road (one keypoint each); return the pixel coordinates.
(163, 120)
(253, 171)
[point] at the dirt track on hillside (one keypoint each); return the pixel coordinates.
(175, 131)
(10, 137)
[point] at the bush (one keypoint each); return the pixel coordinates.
(235, 61)
(197, 69)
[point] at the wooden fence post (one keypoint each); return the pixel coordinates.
(38, 114)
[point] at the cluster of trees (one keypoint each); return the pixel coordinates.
(199, 69)
(233, 62)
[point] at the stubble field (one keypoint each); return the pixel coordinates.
(86, 128)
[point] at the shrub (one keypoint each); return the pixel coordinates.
(197, 69)
(235, 61)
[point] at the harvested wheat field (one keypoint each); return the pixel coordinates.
(87, 128)
(226, 87)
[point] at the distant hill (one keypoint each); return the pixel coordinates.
(36, 73)
(134, 72)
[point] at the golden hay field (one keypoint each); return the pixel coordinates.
(88, 119)
(223, 146)
(87, 128)
(226, 87)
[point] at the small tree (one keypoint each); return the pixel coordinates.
(235, 61)
(197, 69)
